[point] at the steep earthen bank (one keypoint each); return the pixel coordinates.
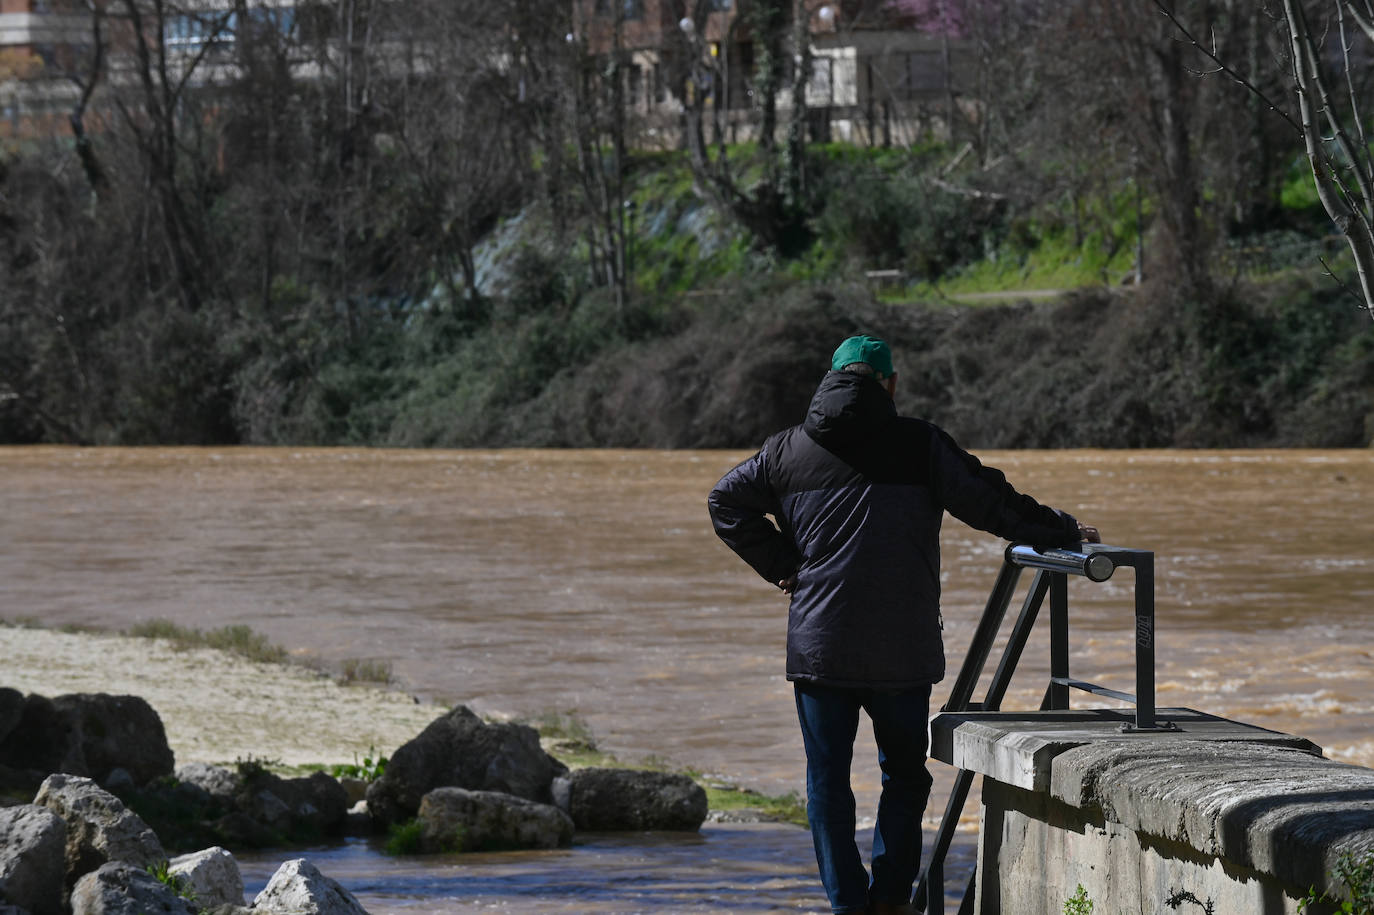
(1279, 367)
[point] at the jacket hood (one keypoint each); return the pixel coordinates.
(846, 409)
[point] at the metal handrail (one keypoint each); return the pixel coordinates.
(1093, 561)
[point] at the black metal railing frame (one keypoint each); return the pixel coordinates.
(1094, 561)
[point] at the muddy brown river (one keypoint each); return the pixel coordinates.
(589, 582)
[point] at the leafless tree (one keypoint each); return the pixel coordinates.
(1323, 61)
(1333, 132)
(773, 209)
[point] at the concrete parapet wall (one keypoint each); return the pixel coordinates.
(1157, 823)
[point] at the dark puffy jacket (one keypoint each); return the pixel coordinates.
(859, 493)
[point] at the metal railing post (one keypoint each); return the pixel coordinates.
(1059, 641)
(1145, 642)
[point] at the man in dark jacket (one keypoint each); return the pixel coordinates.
(858, 494)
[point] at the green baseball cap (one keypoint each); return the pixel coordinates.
(866, 349)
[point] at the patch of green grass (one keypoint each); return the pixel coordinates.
(77, 628)
(177, 883)
(237, 639)
(371, 768)
(785, 808)
(160, 629)
(358, 670)
(568, 737)
(250, 768)
(563, 724)
(242, 640)
(404, 838)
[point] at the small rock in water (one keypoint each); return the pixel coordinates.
(299, 888)
(627, 799)
(455, 819)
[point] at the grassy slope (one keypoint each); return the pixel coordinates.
(718, 343)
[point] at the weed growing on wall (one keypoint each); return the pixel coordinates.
(1079, 903)
(1357, 876)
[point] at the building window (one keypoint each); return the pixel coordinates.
(629, 9)
(925, 73)
(191, 33)
(822, 89)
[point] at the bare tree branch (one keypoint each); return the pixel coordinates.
(1334, 197)
(1223, 68)
(90, 164)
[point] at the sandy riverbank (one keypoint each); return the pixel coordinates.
(215, 706)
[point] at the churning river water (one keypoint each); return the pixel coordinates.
(525, 582)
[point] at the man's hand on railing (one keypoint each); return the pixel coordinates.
(1088, 534)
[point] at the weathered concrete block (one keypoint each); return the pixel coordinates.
(1279, 811)
(1017, 748)
(1034, 853)
(1218, 813)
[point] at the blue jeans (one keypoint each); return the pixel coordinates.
(829, 719)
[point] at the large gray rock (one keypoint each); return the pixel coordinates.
(11, 709)
(119, 888)
(312, 805)
(42, 741)
(455, 819)
(119, 732)
(33, 868)
(219, 784)
(212, 875)
(298, 888)
(459, 750)
(88, 734)
(99, 827)
(626, 799)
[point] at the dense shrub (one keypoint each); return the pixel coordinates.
(907, 222)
